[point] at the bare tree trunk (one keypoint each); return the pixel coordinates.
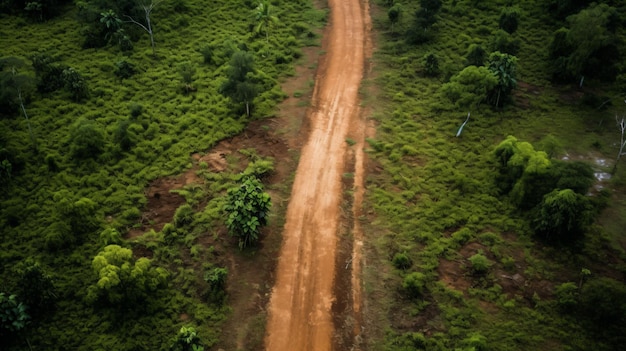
(621, 124)
(30, 130)
(247, 109)
(148, 27)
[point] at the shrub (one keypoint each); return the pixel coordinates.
(13, 316)
(603, 301)
(476, 56)
(86, 139)
(431, 64)
(509, 19)
(124, 136)
(413, 284)
(187, 339)
(35, 287)
(183, 215)
(75, 84)
(504, 42)
(216, 278)
(566, 296)
(247, 208)
(562, 216)
(401, 260)
(110, 236)
(135, 110)
(49, 73)
(480, 264)
(124, 69)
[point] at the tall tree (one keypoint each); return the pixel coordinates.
(147, 8)
(265, 18)
(503, 66)
(240, 86)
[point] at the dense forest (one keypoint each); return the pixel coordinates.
(495, 198)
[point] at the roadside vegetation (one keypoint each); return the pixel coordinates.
(495, 208)
(100, 103)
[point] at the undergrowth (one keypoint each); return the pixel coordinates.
(86, 171)
(485, 281)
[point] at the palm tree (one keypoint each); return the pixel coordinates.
(265, 18)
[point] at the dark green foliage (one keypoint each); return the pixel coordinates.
(401, 260)
(240, 86)
(470, 87)
(13, 316)
(76, 84)
(480, 264)
(504, 42)
(574, 175)
(75, 218)
(414, 284)
(49, 72)
(124, 69)
(187, 71)
(247, 207)
(431, 65)
(135, 110)
(476, 55)
(509, 19)
(207, 54)
(566, 296)
(560, 9)
(420, 30)
(562, 216)
(86, 139)
(187, 339)
(124, 136)
(13, 86)
(394, 14)
(35, 287)
(603, 301)
(588, 46)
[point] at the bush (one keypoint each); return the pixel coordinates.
(562, 216)
(75, 84)
(431, 65)
(480, 264)
(86, 139)
(13, 316)
(183, 216)
(401, 261)
(603, 301)
(247, 208)
(49, 73)
(124, 69)
(475, 56)
(566, 296)
(504, 42)
(509, 19)
(413, 284)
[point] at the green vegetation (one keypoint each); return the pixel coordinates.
(248, 210)
(82, 255)
(487, 241)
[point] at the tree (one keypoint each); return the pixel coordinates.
(13, 316)
(588, 46)
(187, 339)
(475, 56)
(431, 64)
(86, 139)
(563, 215)
(470, 87)
(247, 208)
(187, 71)
(15, 91)
(147, 9)
(603, 301)
(240, 87)
(394, 14)
(265, 18)
(503, 67)
(35, 287)
(413, 283)
(75, 84)
(122, 279)
(509, 19)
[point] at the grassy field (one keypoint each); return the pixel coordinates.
(433, 205)
(106, 196)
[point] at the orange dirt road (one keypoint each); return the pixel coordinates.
(300, 316)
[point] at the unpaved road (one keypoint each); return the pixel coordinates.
(300, 306)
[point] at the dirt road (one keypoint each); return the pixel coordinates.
(300, 306)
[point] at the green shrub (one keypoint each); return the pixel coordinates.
(183, 216)
(509, 19)
(110, 236)
(431, 65)
(476, 56)
(401, 261)
(566, 296)
(124, 69)
(76, 84)
(86, 139)
(504, 42)
(413, 284)
(562, 216)
(480, 264)
(13, 315)
(603, 301)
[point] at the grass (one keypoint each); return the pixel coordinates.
(435, 198)
(166, 130)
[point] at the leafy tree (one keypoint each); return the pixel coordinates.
(35, 287)
(49, 72)
(240, 86)
(86, 139)
(187, 339)
(470, 87)
(566, 296)
(124, 136)
(475, 56)
(75, 84)
(431, 64)
(509, 19)
(401, 261)
(563, 215)
(112, 23)
(588, 46)
(122, 279)
(503, 67)
(124, 69)
(603, 301)
(394, 13)
(75, 218)
(13, 316)
(504, 42)
(265, 18)
(187, 70)
(247, 208)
